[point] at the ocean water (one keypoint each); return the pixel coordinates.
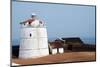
(85, 40)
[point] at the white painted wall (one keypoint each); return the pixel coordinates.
(26, 31)
(61, 50)
(44, 52)
(33, 46)
(29, 43)
(25, 54)
(54, 51)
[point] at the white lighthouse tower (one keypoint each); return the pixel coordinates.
(34, 41)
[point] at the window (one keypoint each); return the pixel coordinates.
(30, 34)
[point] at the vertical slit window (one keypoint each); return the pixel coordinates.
(30, 34)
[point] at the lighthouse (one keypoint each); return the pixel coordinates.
(33, 39)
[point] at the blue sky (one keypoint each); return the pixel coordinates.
(61, 20)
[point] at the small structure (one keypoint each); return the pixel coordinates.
(56, 47)
(72, 43)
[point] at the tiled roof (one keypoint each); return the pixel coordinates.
(56, 44)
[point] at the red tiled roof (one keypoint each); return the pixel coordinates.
(29, 21)
(56, 44)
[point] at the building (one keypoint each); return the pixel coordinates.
(72, 43)
(56, 47)
(33, 40)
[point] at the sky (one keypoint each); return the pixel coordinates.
(61, 20)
